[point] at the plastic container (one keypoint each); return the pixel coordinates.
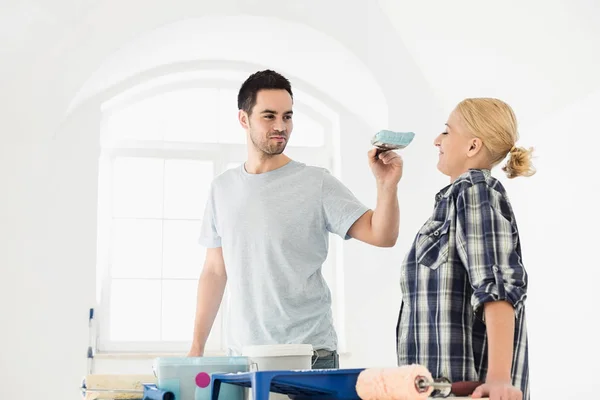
(190, 378)
(279, 357)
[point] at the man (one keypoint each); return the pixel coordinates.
(266, 228)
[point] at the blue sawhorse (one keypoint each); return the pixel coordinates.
(319, 384)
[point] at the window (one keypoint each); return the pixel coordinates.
(160, 152)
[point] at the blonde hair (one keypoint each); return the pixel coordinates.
(494, 122)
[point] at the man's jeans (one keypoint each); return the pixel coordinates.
(325, 359)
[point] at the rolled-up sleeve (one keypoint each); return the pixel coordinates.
(488, 245)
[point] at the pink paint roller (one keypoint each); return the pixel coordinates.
(409, 382)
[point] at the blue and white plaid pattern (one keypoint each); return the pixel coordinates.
(466, 254)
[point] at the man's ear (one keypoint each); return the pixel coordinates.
(244, 119)
(475, 146)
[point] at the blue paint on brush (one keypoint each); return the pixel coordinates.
(390, 140)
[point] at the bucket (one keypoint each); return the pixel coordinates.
(190, 378)
(279, 357)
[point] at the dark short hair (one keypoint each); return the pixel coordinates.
(261, 80)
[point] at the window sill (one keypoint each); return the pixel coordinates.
(151, 355)
(147, 355)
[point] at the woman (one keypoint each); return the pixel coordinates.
(463, 281)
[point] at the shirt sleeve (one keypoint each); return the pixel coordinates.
(489, 249)
(209, 236)
(340, 207)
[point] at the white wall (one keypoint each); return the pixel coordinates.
(559, 216)
(48, 170)
(47, 258)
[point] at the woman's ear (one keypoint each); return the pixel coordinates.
(475, 146)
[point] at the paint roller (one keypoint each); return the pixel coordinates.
(408, 382)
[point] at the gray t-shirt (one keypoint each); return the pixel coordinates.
(274, 232)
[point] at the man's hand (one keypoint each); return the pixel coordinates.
(195, 351)
(386, 167)
(498, 391)
(380, 226)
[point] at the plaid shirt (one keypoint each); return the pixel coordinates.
(466, 254)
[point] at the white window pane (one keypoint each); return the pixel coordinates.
(322, 162)
(178, 313)
(136, 248)
(137, 187)
(183, 257)
(230, 130)
(191, 115)
(307, 131)
(134, 306)
(187, 184)
(143, 120)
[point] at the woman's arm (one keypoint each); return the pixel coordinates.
(500, 326)
(488, 249)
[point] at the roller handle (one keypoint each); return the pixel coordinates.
(444, 388)
(465, 388)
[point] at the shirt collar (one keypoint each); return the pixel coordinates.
(445, 192)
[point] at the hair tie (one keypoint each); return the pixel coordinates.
(513, 149)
